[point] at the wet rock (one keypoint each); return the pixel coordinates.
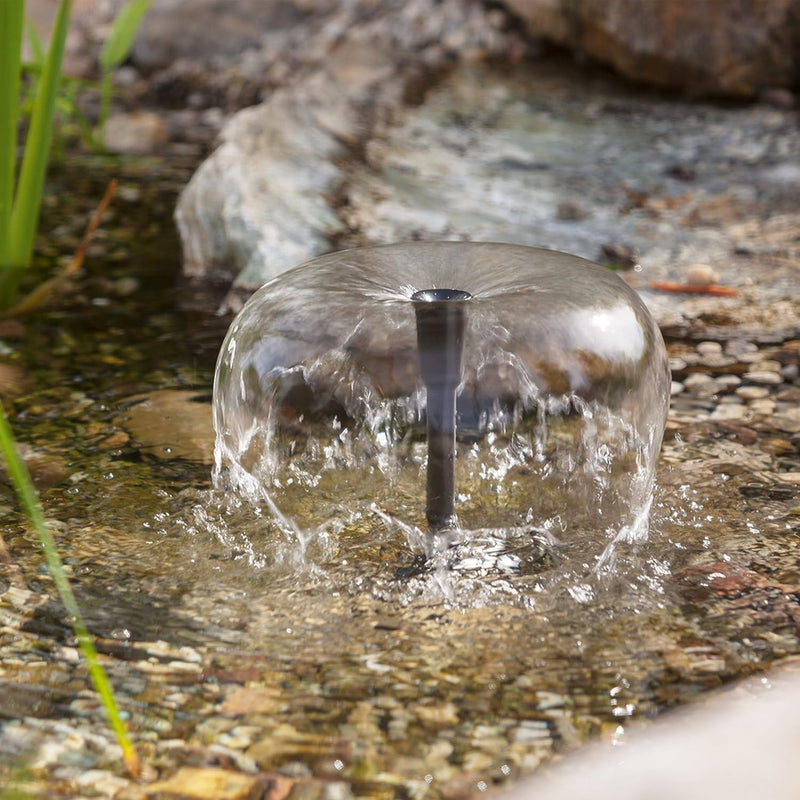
(172, 424)
(678, 42)
(251, 700)
(13, 380)
(787, 421)
(265, 200)
(714, 746)
(193, 783)
(763, 377)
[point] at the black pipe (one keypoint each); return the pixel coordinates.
(441, 318)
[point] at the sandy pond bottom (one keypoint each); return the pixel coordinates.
(328, 667)
(325, 666)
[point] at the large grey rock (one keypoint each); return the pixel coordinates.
(740, 748)
(733, 48)
(267, 197)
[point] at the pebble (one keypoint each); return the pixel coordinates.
(136, 134)
(676, 387)
(700, 384)
(728, 382)
(768, 365)
(730, 412)
(790, 395)
(205, 783)
(709, 348)
(765, 406)
(739, 347)
(701, 275)
(677, 364)
(787, 421)
(752, 392)
(767, 378)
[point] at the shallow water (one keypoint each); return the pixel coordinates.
(339, 658)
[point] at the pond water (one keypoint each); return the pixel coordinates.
(334, 665)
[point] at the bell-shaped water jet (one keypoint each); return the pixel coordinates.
(322, 392)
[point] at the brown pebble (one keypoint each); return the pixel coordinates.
(701, 275)
(752, 392)
(768, 378)
(790, 395)
(778, 447)
(13, 380)
(738, 433)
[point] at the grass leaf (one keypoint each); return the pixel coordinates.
(123, 32)
(11, 19)
(23, 486)
(28, 197)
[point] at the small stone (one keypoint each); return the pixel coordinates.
(252, 700)
(701, 275)
(199, 783)
(709, 348)
(676, 388)
(767, 378)
(137, 134)
(619, 255)
(571, 210)
(791, 372)
(438, 715)
(790, 395)
(751, 357)
(777, 97)
(752, 392)
(729, 411)
(765, 406)
(787, 421)
(677, 364)
(768, 365)
(13, 380)
(738, 347)
(700, 384)
(728, 382)
(778, 447)
(789, 477)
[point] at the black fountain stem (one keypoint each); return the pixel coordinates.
(441, 319)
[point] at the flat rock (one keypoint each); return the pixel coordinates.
(202, 783)
(730, 49)
(172, 424)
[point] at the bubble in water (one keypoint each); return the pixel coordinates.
(319, 407)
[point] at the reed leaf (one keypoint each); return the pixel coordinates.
(28, 196)
(11, 21)
(29, 500)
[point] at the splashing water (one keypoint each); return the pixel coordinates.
(319, 411)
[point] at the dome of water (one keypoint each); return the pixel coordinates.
(320, 405)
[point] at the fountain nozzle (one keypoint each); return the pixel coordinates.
(441, 319)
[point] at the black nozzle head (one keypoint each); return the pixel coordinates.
(439, 295)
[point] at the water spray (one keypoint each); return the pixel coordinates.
(441, 318)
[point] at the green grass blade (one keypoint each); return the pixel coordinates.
(120, 40)
(25, 215)
(11, 20)
(23, 486)
(34, 43)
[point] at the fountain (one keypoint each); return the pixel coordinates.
(343, 380)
